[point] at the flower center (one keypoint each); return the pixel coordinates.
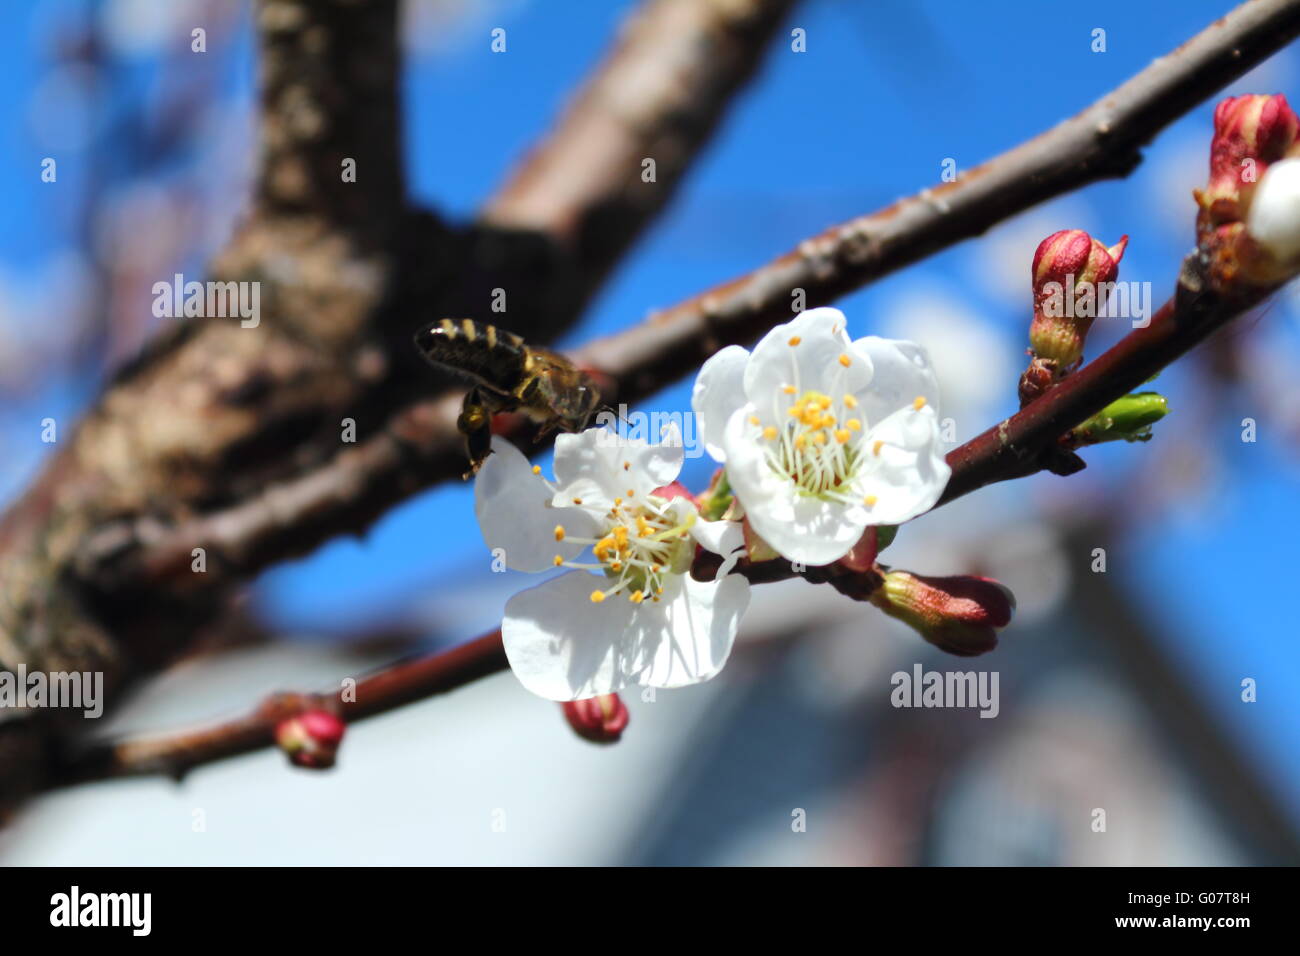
(643, 542)
(815, 447)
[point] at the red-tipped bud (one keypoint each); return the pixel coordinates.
(1071, 273)
(601, 720)
(960, 614)
(311, 739)
(1250, 133)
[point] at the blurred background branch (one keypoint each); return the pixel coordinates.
(174, 755)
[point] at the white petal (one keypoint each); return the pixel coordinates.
(808, 529)
(798, 527)
(909, 474)
(901, 373)
(598, 465)
(726, 538)
(687, 637)
(561, 645)
(514, 512)
(720, 537)
(719, 391)
(816, 363)
(564, 647)
(1274, 216)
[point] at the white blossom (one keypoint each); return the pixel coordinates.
(821, 436)
(632, 614)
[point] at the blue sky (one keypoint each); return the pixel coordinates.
(885, 92)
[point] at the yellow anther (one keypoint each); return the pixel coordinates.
(842, 435)
(537, 469)
(769, 432)
(845, 360)
(618, 502)
(795, 340)
(753, 420)
(654, 569)
(658, 591)
(870, 500)
(559, 532)
(819, 437)
(850, 401)
(636, 597)
(616, 566)
(919, 402)
(823, 402)
(876, 446)
(853, 425)
(559, 560)
(788, 389)
(597, 597)
(631, 492)
(800, 441)
(577, 501)
(826, 421)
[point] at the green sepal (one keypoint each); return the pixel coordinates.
(885, 534)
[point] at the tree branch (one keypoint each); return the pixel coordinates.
(174, 755)
(659, 95)
(212, 409)
(329, 94)
(404, 682)
(1102, 142)
(1020, 445)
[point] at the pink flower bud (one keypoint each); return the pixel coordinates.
(960, 614)
(311, 739)
(598, 719)
(1071, 273)
(1250, 133)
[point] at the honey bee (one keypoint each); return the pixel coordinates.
(509, 375)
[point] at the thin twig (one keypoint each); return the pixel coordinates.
(175, 754)
(1019, 445)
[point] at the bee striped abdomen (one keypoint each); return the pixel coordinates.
(492, 356)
